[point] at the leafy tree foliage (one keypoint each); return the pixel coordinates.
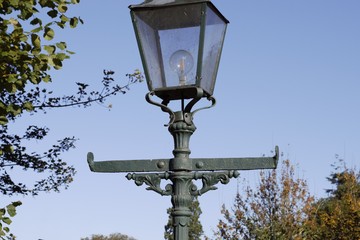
(24, 58)
(28, 52)
(114, 236)
(277, 209)
(5, 214)
(338, 216)
(195, 229)
(14, 153)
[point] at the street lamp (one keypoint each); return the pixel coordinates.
(180, 43)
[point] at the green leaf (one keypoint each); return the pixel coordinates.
(64, 18)
(46, 79)
(13, 109)
(12, 78)
(62, 56)
(3, 121)
(62, 7)
(19, 83)
(52, 13)
(74, 22)
(6, 229)
(43, 3)
(35, 40)
(35, 51)
(2, 212)
(50, 49)
(75, 1)
(35, 21)
(26, 14)
(17, 203)
(61, 45)
(6, 220)
(34, 80)
(61, 24)
(14, 3)
(49, 33)
(28, 106)
(13, 21)
(38, 29)
(2, 105)
(57, 63)
(11, 210)
(23, 38)
(13, 88)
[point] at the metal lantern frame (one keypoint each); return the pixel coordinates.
(177, 16)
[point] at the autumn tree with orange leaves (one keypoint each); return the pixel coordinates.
(338, 216)
(277, 209)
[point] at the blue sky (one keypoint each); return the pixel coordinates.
(289, 76)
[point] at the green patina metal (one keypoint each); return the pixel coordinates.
(181, 171)
(197, 164)
(157, 165)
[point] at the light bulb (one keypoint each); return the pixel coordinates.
(181, 62)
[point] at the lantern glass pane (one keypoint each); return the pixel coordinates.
(169, 42)
(148, 41)
(179, 55)
(214, 38)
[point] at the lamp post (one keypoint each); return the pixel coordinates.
(180, 43)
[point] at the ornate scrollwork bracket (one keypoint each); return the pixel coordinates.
(152, 180)
(187, 110)
(213, 103)
(163, 107)
(210, 179)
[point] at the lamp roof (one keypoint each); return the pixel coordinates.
(157, 3)
(165, 3)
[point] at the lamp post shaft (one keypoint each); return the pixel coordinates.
(181, 200)
(180, 166)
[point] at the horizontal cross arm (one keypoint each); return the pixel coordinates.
(156, 165)
(198, 164)
(214, 164)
